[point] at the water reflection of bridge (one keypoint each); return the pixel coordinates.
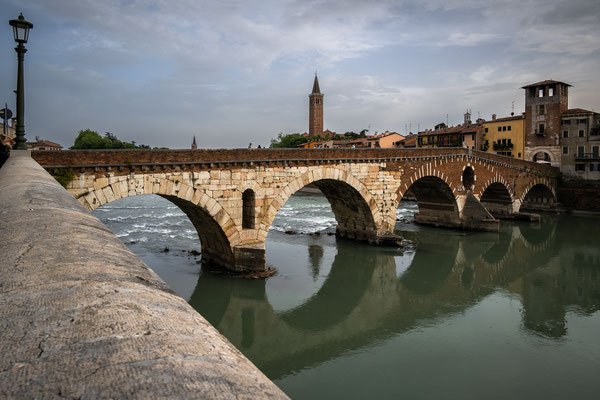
(364, 300)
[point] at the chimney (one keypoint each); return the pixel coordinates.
(493, 117)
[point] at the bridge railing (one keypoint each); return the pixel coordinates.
(82, 316)
(144, 158)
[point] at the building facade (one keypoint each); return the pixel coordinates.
(504, 136)
(545, 102)
(580, 144)
(315, 110)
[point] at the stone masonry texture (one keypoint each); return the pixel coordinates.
(363, 186)
(82, 317)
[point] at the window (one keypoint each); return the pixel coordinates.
(499, 129)
(542, 109)
(541, 93)
(566, 122)
(582, 121)
(565, 134)
(565, 150)
(580, 167)
(509, 127)
(542, 128)
(594, 167)
(581, 133)
(509, 141)
(551, 92)
(519, 155)
(595, 151)
(504, 129)
(486, 130)
(580, 150)
(473, 137)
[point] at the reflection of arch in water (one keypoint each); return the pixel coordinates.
(537, 236)
(355, 210)
(430, 267)
(347, 281)
(497, 253)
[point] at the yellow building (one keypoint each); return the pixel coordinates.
(504, 136)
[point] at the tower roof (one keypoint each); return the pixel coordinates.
(316, 89)
(542, 83)
(194, 141)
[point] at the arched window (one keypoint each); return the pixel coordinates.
(248, 208)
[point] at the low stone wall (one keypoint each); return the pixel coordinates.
(580, 197)
(82, 317)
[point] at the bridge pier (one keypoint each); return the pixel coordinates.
(467, 213)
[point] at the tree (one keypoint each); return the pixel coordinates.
(89, 139)
(289, 141)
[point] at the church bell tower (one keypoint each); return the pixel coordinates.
(315, 110)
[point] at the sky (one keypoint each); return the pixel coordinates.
(231, 72)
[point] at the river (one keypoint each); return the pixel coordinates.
(451, 315)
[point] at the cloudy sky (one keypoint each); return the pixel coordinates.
(232, 72)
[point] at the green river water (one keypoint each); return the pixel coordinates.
(452, 315)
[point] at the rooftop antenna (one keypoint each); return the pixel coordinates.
(512, 108)
(418, 128)
(446, 119)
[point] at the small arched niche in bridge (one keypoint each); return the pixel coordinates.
(468, 178)
(248, 209)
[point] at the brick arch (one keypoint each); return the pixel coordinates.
(427, 170)
(533, 183)
(354, 207)
(436, 196)
(216, 229)
(496, 179)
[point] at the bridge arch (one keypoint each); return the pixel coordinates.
(538, 194)
(354, 207)
(435, 198)
(215, 227)
(497, 197)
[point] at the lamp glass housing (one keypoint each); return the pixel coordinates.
(21, 29)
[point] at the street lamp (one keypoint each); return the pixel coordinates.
(21, 29)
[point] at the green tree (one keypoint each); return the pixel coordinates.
(89, 139)
(289, 141)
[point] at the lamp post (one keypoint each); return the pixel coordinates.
(21, 29)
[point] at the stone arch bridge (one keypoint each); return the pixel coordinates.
(232, 196)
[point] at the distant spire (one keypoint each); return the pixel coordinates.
(316, 89)
(194, 145)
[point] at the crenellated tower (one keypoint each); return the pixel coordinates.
(315, 110)
(544, 103)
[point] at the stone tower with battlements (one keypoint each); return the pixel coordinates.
(315, 110)
(544, 103)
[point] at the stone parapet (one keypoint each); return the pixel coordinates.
(82, 317)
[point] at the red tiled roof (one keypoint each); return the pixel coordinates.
(576, 111)
(44, 143)
(546, 82)
(505, 119)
